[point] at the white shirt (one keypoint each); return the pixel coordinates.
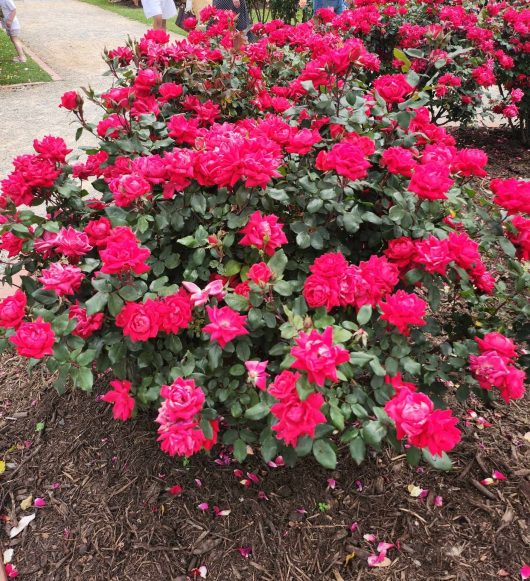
(7, 7)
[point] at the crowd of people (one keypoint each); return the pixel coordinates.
(163, 10)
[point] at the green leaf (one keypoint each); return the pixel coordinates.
(86, 357)
(240, 450)
(442, 462)
(44, 297)
(232, 267)
(132, 292)
(413, 456)
(373, 433)
(83, 378)
(257, 412)
(401, 56)
(358, 450)
(115, 304)
(278, 262)
(359, 358)
(188, 241)
(364, 314)
(325, 454)
(336, 417)
(237, 302)
(97, 303)
(269, 448)
(507, 246)
(283, 288)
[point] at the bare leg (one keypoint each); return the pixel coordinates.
(20, 50)
(158, 23)
(163, 24)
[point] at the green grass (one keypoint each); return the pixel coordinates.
(132, 13)
(14, 73)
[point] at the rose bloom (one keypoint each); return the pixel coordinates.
(513, 384)
(316, 355)
(403, 310)
(128, 188)
(499, 343)
(12, 310)
(71, 242)
(169, 91)
(123, 402)
(321, 292)
(122, 253)
(434, 255)
(11, 244)
(489, 369)
(256, 373)
(470, 162)
(34, 339)
(298, 418)
(264, 232)
(410, 411)
(398, 160)
(87, 325)
(98, 231)
(259, 274)
(64, 279)
(401, 251)
(183, 400)
(183, 438)
(393, 88)
(175, 312)
(284, 385)
(70, 100)
(139, 321)
(329, 265)
(440, 433)
(52, 148)
(225, 324)
(347, 159)
(431, 181)
(512, 194)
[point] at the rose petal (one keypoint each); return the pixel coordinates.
(39, 502)
(525, 571)
(177, 489)
(203, 506)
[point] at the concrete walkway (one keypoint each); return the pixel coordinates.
(69, 36)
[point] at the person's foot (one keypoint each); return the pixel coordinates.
(19, 59)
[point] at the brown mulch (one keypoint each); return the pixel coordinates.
(109, 515)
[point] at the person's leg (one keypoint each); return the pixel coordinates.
(164, 23)
(158, 22)
(18, 46)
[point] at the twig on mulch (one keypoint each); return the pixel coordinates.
(482, 489)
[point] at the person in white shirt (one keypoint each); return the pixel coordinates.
(159, 10)
(12, 25)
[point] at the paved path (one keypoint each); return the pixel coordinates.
(69, 36)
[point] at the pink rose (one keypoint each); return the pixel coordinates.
(12, 310)
(139, 321)
(122, 401)
(34, 339)
(259, 274)
(410, 411)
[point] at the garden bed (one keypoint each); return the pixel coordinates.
(109, 515)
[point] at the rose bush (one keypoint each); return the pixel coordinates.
(273, 245)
